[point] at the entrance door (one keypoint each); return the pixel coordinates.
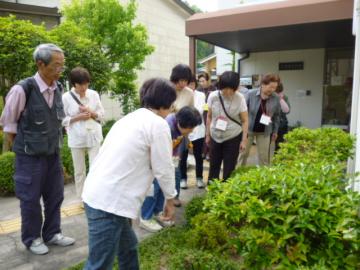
(337, 92)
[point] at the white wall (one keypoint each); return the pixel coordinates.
(306, 109)
(223, 60)
(165, 23)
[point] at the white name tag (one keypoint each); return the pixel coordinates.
(265, 120)
(221, 124)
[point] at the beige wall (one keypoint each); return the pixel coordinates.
(306, 109)
(165, 23)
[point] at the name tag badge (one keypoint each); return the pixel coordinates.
(206, 107)
(221, 123)
(265, 120)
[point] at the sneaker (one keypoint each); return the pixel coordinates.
(38, 247)
(177, 202)
(183, 184)
(200, 183)
(60, 240)
(162, 222)
(150, 225)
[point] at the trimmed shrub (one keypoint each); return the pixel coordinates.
(294, 215)
(312, 145)
(242, 169)
(7, 169)
(284, 217)
(67, 161)
(193, 208)
(107, 126)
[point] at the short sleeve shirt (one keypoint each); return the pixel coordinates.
(234, 106)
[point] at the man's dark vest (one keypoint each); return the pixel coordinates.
(39, 127)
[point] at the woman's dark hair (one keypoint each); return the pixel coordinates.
(193, 79)
(157, 93)
(229, 79)
(269, 78)
(180, 72)
(188, 117)
(279, 88)
(204, 75)
(79, 75)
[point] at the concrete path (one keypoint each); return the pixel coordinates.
(14, 256)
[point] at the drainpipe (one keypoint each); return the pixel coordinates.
(354, 165)
(246, 56)
(192, 54)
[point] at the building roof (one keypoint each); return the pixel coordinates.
(16, 8)
(184, 7)
(207, 58)
(281, 25)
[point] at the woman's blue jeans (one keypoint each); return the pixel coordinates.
(153, 205)
(110, 235)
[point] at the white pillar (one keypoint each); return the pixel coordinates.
(354, 166)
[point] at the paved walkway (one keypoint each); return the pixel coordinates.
(14, 256)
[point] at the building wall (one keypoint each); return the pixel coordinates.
(306, 109)
(165, 23)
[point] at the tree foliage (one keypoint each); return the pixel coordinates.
(111, 26)
(203, 49)
(18, 38)
(81, 51)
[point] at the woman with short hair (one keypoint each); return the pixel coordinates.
(84, 112)
(137, 148)
(227, 119)
(264, 110)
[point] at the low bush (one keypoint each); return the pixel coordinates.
(284, 217)
(169, 250)
(7, 169)
(107, 126)
(193, 208)
(294, 215)
(311, 145)
(67, 161)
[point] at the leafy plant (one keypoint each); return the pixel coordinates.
(79, 50)
(67, 161)
(107, 126)
(312, 145)
(20, 36)
(193, 208)
(7, 170)
(125, 44)
(293, 215)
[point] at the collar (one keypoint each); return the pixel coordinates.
(42, 85)
(258, 94)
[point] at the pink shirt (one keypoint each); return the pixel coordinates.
(15, 103)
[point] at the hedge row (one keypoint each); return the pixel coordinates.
(296, 214)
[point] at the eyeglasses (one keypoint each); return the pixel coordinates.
(57, 68)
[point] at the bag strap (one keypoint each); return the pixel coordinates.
(228, 116)
(78, 102)
(75, 98)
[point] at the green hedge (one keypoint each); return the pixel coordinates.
(107, 126)
(7, 161)
(67, 161)
(294, 215)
